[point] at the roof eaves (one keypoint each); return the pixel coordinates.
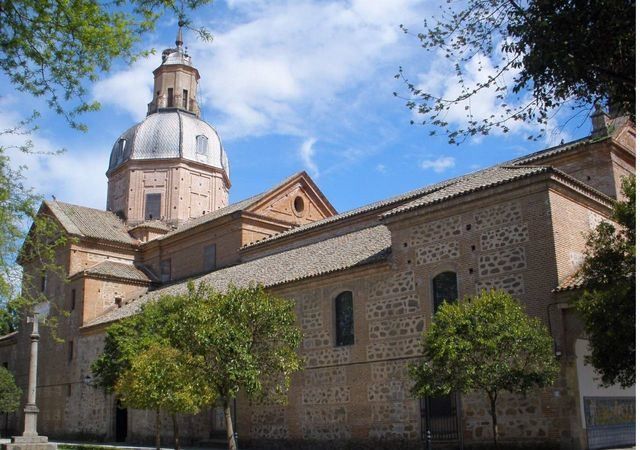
(417, 204)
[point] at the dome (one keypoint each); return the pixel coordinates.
(170, 134)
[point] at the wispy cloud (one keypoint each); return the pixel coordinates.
(439, 164)
(306, 153)
(75, 176)
(283, 67)
(381, 168)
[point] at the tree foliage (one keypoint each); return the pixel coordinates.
(36, 247)
(248, 339)
(51, 49)
(532, 56)
(608, 304)
(163, 378)
(488, 344)
(9, 392)
(147, 367)
(244, 340)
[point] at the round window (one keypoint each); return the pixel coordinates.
(298, 204)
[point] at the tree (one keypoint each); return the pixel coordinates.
(140, 366)
(9, 392)
(248, 339)
(51, 49)
(608, 304)
(165, 379)
(533, 56)
(35, 247)
(244, 340)
(486, 343)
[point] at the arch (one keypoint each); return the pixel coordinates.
(344, 318)
(445, 288)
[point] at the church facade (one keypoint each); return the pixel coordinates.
(366, 282)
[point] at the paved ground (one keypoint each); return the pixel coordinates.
(114, 445)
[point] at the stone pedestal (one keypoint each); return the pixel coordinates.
(30, 443)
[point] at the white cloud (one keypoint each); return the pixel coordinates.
(441, 81)
(439, 164)
(306, 153)
(284, 66)
(381, 168)
(75, 176)
(129, 90)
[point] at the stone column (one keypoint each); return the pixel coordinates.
(30, 440)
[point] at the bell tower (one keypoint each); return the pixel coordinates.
(175, 81)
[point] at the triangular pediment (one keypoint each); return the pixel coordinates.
(297, 200)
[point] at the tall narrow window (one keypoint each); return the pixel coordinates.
(43, 281)
(169, 97)
(445, 288)
(73, 299)
(209, 258)
(70, 351)
(202, 143)
(165, 270)
(185, 98)
(122, 145)
(152, 206)
(344, 319)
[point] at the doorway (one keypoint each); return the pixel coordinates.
(121, 423)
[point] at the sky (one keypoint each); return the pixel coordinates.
(289, 86)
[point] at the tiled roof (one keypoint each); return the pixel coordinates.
(209, 217)
(558, 149)
(230, 209)
(153, 225)
(92, 223)
(350, 250)
(117, 270)
(357, 211)
(575, 281)
(482, 179)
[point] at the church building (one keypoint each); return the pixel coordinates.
(366, 284)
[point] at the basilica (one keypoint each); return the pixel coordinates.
(366, 284)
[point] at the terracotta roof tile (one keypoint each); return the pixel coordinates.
(89, 222)
(118, 270)
(350, 250)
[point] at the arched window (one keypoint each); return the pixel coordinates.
(445, 288)
(344, 319)
(122, 145)
(202, 143)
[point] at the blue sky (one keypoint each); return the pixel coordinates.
(290, 86)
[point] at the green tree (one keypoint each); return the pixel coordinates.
(36, 247)
(9, 392)
(608, 304)
(533, 56)
(163, 378)
(131, 364)
(488, 344)
(248, 339)
(53, 49)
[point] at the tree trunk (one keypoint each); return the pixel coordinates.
(231, 440)
(157, 428)
(493, 396)
(176, 432)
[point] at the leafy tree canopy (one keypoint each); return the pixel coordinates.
(608, 304)
(248, 339)
(51, 48)
(533, 56)
(244, 340)
(9, 392)
(486, 343)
